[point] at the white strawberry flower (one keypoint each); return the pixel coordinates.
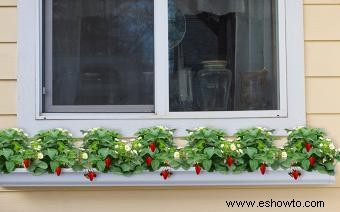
(38, 148)
(321, 145)
(238, 145)
(161, 127)
(222, 145)
(176, 155)
(331, 146)
(116, 146)
(127, 148)
(284, 155)
(232, 147)
(40, 155)
(135, 152)
(84, 156)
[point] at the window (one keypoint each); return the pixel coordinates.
(128, 64)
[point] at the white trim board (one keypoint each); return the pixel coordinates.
(292, 112)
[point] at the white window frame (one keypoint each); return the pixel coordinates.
(291, 75)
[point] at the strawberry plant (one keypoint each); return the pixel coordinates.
(157, 147)
(259, 151)
(14, 151)
(232, 156)
(203, 149)
(98, 150)
(53, 150)
(309, 149)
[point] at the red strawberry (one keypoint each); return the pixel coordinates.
(27, 163)
(312, 161)
(263, 168)
(152, 146)
(230, 161)
(58, 171)
(295, 174)
(165, 174)
(91, 175)
(308, 147)
(108, 162)
(148, 160)
(198, 169)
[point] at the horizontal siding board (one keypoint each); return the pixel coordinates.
(315, 61)
(330, 123)
(165, 200)
(8, 24)
(8, 3)
(322, 22)
(323, 95)
(321, 2)
(7, 97)
(7, 121)
(8, 60)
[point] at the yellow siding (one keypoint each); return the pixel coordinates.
(322, 48)
(8, 58)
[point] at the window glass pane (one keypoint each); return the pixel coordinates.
(99, 53)
(222, 55)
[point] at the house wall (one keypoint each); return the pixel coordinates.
(322, 45)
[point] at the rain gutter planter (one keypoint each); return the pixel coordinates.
(22, 178)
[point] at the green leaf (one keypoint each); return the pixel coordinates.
(305, 164)
(126, 167)
(52, 153)
(42, 165)
(155, 164)
(54, 165)
(254, 164)
(251, 151)
(104, 152)
(39, 171)
(207, 164)
(7, 153)
(77, 168)
(209, 151)
(100, 166)
(275, 165)
(329, 166)
(10, 166)
(115, 169)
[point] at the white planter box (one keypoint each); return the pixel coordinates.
(21, 178)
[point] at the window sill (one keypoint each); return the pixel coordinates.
(21, 178)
